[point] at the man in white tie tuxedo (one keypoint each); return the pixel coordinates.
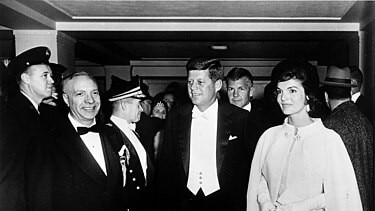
(125, 97)
(207, 150)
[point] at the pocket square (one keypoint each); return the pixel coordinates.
(232, 137)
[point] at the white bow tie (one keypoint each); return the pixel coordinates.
(198, 114)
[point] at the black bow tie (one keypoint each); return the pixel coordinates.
(84, 130)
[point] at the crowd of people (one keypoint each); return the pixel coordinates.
(306, 145)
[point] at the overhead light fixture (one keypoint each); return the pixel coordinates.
(219, 47)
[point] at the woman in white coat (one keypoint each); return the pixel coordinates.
(300, 165)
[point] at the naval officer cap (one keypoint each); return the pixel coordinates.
(121, 89)
(33, 56)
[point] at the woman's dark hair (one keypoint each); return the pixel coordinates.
(305, 72)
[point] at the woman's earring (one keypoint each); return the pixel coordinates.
(308, 108)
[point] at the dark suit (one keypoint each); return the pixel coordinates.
(259, 121)
(137, 192)
(357, 134)
(364, 106)
(147, 127)
(21, 134)
(233, 160)
(78, 181)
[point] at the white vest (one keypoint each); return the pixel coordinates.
(203, 169)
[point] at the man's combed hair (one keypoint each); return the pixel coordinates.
(237, 72)
(214, 66)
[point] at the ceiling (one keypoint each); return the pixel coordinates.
(115, 32)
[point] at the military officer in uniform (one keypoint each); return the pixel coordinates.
(125, 98)
(22, 129)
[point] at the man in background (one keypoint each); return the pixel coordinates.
(359, 99)
(354, 128)
(240, 91)
(22, 129)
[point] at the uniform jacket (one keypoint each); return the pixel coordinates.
(233, 158)
(21, 132)
(357, 134)
(138, 189)
(78, 181)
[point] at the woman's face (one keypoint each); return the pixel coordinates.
(291, 97)
(159, 111)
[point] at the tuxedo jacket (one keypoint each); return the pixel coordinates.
(78, 181)
(233, 158)
(21, 131)
(137, 193)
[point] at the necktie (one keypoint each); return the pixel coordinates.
(84, 130)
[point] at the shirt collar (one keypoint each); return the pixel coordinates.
(247, 107)
(208, 113)
(76, 124)
(122, 122)
(355, 96)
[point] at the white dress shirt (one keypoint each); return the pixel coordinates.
(92, 142)
(247, 107)
(355, 96)
(126, 128)
(203, 169)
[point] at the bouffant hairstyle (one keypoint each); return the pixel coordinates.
(305, 72)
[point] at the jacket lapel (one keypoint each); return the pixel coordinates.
(223, 131)
(112, 162)
(183, 131)
(73, 146)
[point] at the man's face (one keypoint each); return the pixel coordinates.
(240, 91)
(133, 109)
(146, 106)
(39, 79)
(83, 99)
(202, 90)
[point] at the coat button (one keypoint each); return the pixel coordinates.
(138, 187)
(134, 179)
(130, 171)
